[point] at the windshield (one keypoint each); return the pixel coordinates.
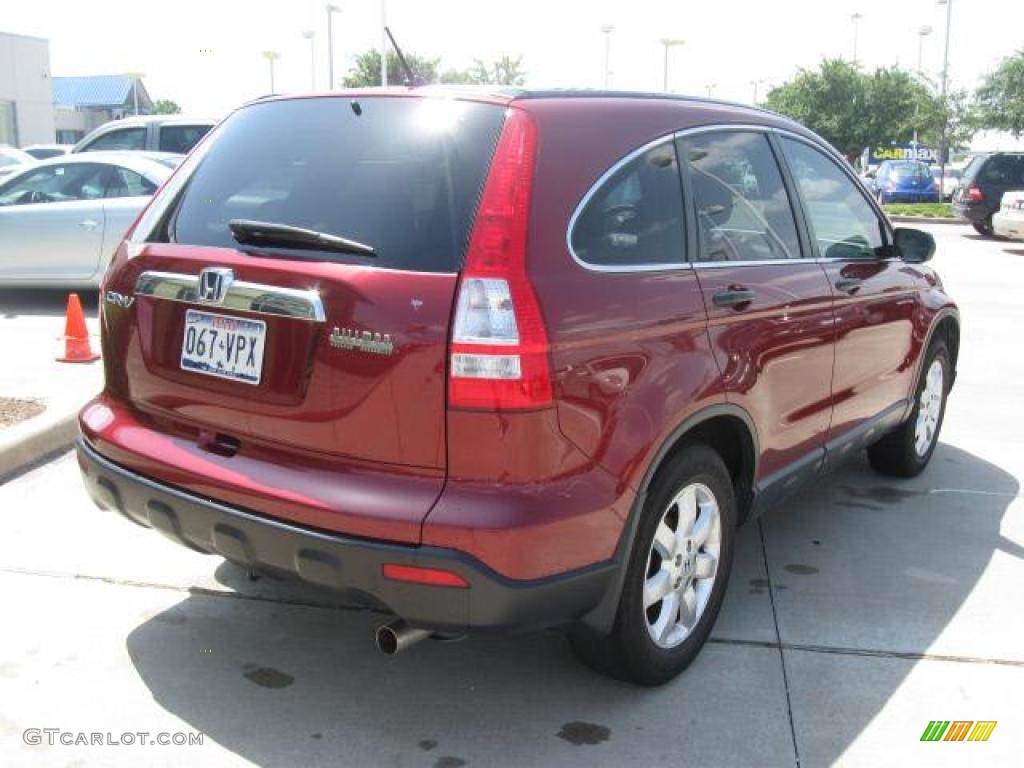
(401, 175)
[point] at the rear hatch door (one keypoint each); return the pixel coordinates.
(310, 351)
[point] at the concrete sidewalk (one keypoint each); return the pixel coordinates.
(31, 322)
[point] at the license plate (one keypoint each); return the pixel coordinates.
(222, 346)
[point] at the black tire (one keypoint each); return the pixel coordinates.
(984, 227)
(896, 454)
(628, 652)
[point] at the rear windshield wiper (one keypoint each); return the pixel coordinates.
(268, 233)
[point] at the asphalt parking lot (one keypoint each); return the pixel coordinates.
(856, 614)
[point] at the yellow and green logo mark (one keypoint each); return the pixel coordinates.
(958, 730)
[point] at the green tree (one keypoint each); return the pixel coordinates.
(831, 101)
(165, 107)
(1000, 100)
(503, 71)
(366, 71)
(853, 109)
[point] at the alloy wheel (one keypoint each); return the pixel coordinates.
(929, 408)
(682, 565)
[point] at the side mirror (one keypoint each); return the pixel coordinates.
(913, 245)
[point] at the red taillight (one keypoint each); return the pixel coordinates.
(974, 193)
(499, 351)
(434, 577)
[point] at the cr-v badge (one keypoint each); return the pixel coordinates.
(374, 343)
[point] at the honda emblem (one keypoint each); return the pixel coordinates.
(214, 284)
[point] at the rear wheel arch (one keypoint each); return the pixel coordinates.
(729, 431)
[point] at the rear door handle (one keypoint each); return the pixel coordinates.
(89, 224)
(733, 297)
(848, 284)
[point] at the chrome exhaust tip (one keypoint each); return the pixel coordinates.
(397, 636)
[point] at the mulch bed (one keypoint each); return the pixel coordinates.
(13, 410)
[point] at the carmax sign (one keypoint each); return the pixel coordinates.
(903, 152)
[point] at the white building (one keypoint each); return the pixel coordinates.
(26, 97)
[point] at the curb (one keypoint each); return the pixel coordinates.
(925, 220)
(51, 432)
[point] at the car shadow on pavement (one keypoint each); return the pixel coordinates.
(293, 681)
(44, 302)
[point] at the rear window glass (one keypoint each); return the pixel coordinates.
(402, 175)
(910, 170)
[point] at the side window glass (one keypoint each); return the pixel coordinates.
(124, 138)
(181, 138)
(124, 183)
(743, 211)
(635, 218)
(56, 184)
(842, 221)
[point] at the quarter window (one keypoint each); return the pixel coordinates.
(635, 218)
(743, 210)
(842, 221)
(125, 183)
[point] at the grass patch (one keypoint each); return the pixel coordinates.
(925, 210)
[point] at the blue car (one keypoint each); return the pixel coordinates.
(904, 181)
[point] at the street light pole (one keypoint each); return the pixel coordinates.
(271, 57)
(331, 10)
(384, 43)
(756, 83)
(922, 33)
(309, 35)
(607, 29)
(855, 18)
(943, 148)
(711, 88)
(668, 42)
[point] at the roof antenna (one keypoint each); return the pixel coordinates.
(411, 79)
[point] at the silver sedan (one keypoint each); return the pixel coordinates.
(62, 219)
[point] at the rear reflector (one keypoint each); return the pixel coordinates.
(499, 351)
(435, 577)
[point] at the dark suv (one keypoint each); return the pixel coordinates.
(509, 360)
(981, 188)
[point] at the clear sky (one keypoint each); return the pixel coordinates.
(205, 54)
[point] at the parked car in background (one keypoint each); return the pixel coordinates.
(13, 159)
(1008, 221)
(61, 219)
(509, 360)
(904, 181)
(46, 151)
(946, 185)
(981, 189)
(154, 133)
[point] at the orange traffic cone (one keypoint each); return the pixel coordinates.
(76, 336)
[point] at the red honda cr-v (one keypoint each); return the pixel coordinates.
(509, 360)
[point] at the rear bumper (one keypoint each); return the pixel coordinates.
(909, 196)
(343, 563)
(975, 213)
